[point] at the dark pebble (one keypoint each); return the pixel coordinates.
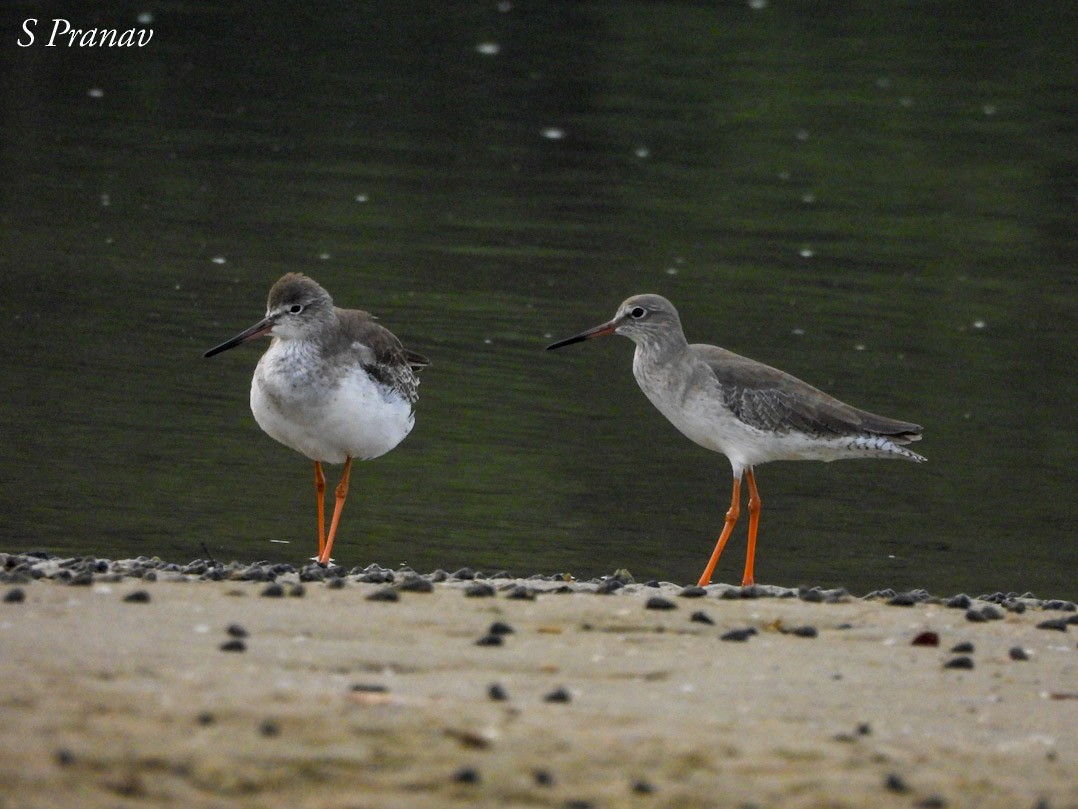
(82, 579)
(464, 574)
(701, 617)
(466, 775)
(236, 631)
(16, 595)
(659, 603)
(692, 591)
(297, 591)
(963, 648)
(926, 639)
(738, 634)
(652, 583)
(269, 728)
(812, 595)
(205, 718)
(137, 597)
(960, 662)
(976, 616)
(543, 778)
(335, 583)
(864, 729)
(804, 632)
(1059, 624)
(273, 590)
(1063, 606)
(236, 645)
(490, 640)
(500, 628)
(368, 688)
(64, 757)
(478, 590)
(642, 787)
(1018, 653)
(895, 783)
(992, 613)
(416, 584)
(903, 600)
(521, 593)
(609, 586)
(558, 695)
(384, 594)
(497, 693)
(750, 592)
(959, 602)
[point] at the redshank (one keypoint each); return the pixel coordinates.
(333, 385)
(750, 412)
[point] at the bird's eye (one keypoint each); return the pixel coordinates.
(638, 312)
(295, 308)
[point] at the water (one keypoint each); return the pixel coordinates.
(881, 203)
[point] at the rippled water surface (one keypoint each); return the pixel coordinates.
(882, 203)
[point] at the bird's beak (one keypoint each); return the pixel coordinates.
(262, 327)
(598, 331)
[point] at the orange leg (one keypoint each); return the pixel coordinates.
(754, 523)
(731, 519)
(320, 493)
(342, 493)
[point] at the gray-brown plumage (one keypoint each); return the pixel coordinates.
(750, 412)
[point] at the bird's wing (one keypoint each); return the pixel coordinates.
(381, 353)
(770, 399)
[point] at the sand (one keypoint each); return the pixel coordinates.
(332, 699)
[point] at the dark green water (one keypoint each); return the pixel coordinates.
(882, 202)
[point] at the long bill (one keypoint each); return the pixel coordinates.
(257, 330)
(598, 331)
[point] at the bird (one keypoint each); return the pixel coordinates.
(333, 385)
(746, 410)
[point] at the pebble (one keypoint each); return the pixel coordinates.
(137, 597)
(297, 591)
(205, 718)
(738, 634)
(896, 783)
(490, 640)
(16, 595)
(416, 584)
(558, 695)
(235, 645)
(1059, 624)
(274, 590)
(521, 593)
(659, 603)
(464, 574)
(609, 586)
(64, 757)
(963, 648)
(960, 662)
(236, 631)
(543, 778)
(1018, 653)
(384, 594)
(642, 787)
(804, 631)
(500, 628)
(497, 693)
(368, 688)
(692, 591)
(926, 639)
(466, 775)
(269, 728)
(701, 617)
(478, 590)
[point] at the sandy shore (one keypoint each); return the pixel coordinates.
(332, 699)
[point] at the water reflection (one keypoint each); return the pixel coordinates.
(880, 205)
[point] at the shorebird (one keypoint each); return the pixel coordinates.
(750, 412)
(333, 385)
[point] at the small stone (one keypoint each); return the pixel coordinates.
(991, 613)
(236, 645)
(804, 632)
(416, 584)
(297, 591)
(895, 783)
(701, 617)
(659, 603)
(558, 695)
(137, 597)
(959, 602)
(205, 718)
(384, 594)
(1058, 624)
(960, 662)
(903, 600)
(478, 590)
(1018, 653)
(692, 591)
(926, 639)
(16, 595)
(739, 635)
(273, 590)
(642, 787)
(543, 778)
(335, 583)
(609, 586)
(368, 688)
(963, 648)
(466, 775)
(932, 802)
(236, 631)
(490, 640)
(64, 757)
(976, 616)
(500, 628)
(864, 729)
(464, 574)
(497, 693)
(521, 593)
(269, 728)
